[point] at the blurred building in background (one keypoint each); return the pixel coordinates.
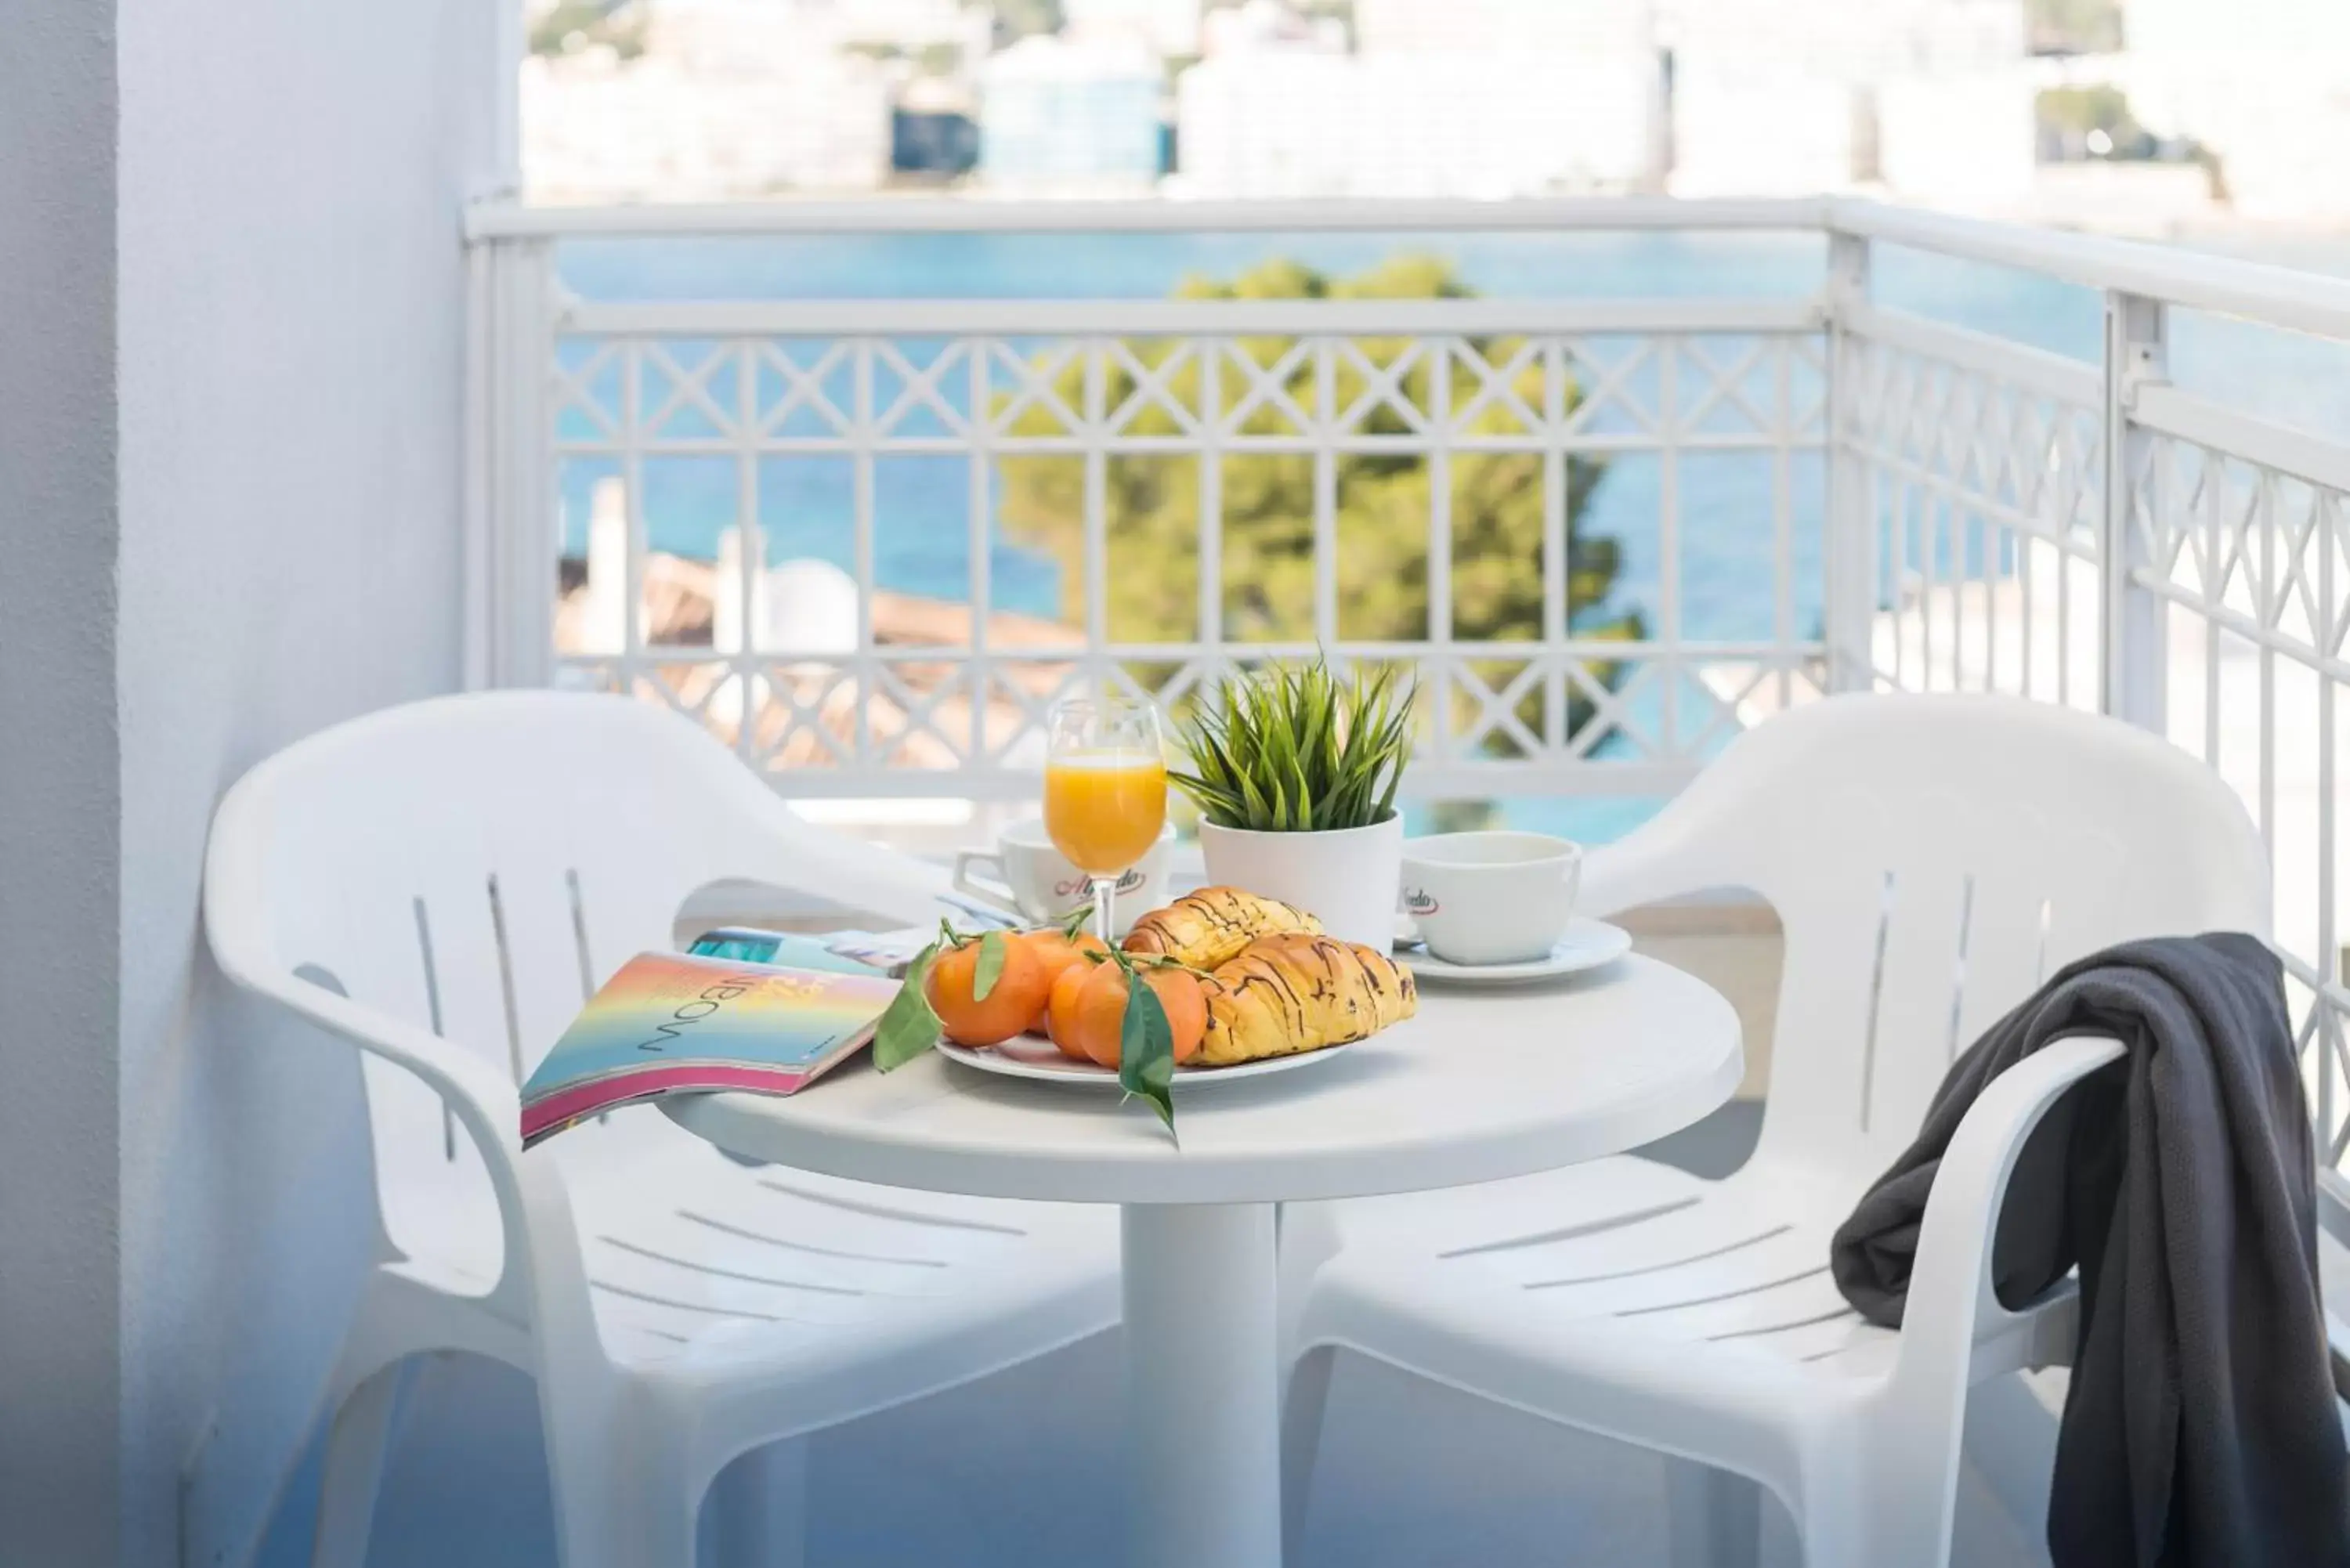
(934, 131)
(1765, 125)
(1297, 122)
(731, 98)
(1782, 97)
(1252, 25)
(719, 102)
(1964, 138)
(1072, 117)
(2262, 85)
(2278, 129)
(1169, 27)
(2251, 28)
(1260, 121)
(1491, 98)
(2146, 114)
(1551, 29)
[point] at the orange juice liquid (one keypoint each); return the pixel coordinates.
(1104, 810)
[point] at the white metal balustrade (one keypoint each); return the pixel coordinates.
(1997, 517)
(1542, 386)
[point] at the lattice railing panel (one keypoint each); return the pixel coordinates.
(1980, 497)
(2251, 561)
(1201, 500)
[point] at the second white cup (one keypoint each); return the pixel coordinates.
(1023, 875)
(1490, 898)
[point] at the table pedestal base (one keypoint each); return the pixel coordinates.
(1203, 1386)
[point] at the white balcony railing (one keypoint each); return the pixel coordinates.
(1927, 506)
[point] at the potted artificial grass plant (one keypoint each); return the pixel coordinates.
(1294, 772)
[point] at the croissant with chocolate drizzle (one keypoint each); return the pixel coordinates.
(1301, 991)
(1211, 926)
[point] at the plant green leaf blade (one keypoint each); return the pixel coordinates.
(1146, 1050)
(908, 1026)
(1292, 748)
(990, 967)
(1256, 815)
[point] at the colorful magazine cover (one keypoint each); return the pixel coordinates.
(674, 1022)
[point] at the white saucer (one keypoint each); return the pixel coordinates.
(1024, 1056)
(1588, 943)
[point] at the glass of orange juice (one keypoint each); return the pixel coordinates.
(1105, 790)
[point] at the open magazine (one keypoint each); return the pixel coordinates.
(669, 1022)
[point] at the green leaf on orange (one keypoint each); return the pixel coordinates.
(990, 967)
(1145, 1046)
(909, 1027)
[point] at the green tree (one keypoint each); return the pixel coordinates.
(2073, 113)
(1312, 10)
(2073, 27)
(1383, 499)
(568, 24)
(1017, 19)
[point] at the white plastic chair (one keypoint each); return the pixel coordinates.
(1931, 859)
(440, 885)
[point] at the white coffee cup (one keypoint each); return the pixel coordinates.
(1023, 875)
(1490, 898)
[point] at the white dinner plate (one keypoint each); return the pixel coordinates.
(1024, 1056)
(1588, 943)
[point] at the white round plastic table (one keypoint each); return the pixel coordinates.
(1478, 1086)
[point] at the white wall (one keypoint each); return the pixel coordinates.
(670, 126)
(291, 339)
(1748, 126)
(2277, 119)
(1958, 141)
(2310, 28)
(1289, 122)
(58, 863)
(1555, 27)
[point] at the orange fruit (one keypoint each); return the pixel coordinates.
(1061, 1008)
(1089, 1016)
(1184, 997)
(1010, 1004)
(1060, 953)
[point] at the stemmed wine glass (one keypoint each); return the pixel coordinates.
(1105, 790)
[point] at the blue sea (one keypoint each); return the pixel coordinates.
(1726, 571)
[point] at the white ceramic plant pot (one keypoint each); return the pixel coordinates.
(1348, 879)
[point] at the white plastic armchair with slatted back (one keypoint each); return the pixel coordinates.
(1931, 859)
(440, 885)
